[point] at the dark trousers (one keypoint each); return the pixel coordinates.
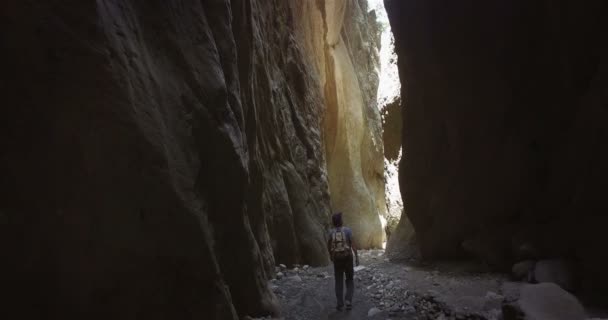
(344, 267)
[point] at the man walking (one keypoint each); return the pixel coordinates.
(341, 247)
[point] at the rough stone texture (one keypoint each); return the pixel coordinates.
(504, 121)
(157, 157)
(394, 202)
(361, 36)
(391, 133)
(402, 244)
(545, 301)
(392, 122)
(343, 47)
(389, 104)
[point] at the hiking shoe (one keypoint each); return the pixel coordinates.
(349, 305)
(339, 307)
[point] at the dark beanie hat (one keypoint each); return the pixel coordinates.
(336, 219)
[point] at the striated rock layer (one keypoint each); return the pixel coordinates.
(504, 129)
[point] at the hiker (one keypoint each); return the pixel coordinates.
(341, 247)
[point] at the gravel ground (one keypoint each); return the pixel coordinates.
(385, 290)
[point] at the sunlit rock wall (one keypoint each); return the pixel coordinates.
(344, 48)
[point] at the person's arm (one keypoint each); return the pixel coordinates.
(329, 247)
(356, 255)
(352, 246)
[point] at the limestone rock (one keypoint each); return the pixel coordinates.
(359, 268)
(344, 52)
(402, 245)
(373, 311)
(545, 301)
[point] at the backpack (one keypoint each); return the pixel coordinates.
(339, 245)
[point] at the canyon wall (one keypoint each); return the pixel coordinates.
(346, 58)
(504, 128)
(159, 158)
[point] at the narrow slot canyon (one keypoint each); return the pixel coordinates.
(185, 159)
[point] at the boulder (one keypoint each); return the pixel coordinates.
(373, 311)
(402, 245)
(556, 271)
(545, 301)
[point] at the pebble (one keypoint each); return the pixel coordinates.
(359, 268)
(494, 295)
(296, 278)
(280, 275)
(373, 311)
(282, 266)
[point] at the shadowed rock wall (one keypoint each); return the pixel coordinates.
(504, 127)
(158, 157)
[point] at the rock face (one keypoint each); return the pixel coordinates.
(160, 156)
(343, 47)
(391, 129)
(543, 301)
(503, 123)
(389, 104)
(391, 133)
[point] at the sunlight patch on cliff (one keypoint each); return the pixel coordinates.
(389, 92)
(389, 88)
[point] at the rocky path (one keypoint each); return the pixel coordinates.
(386, 290)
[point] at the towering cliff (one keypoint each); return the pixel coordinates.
(159, 157)
(504, 127)
(344, 48)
